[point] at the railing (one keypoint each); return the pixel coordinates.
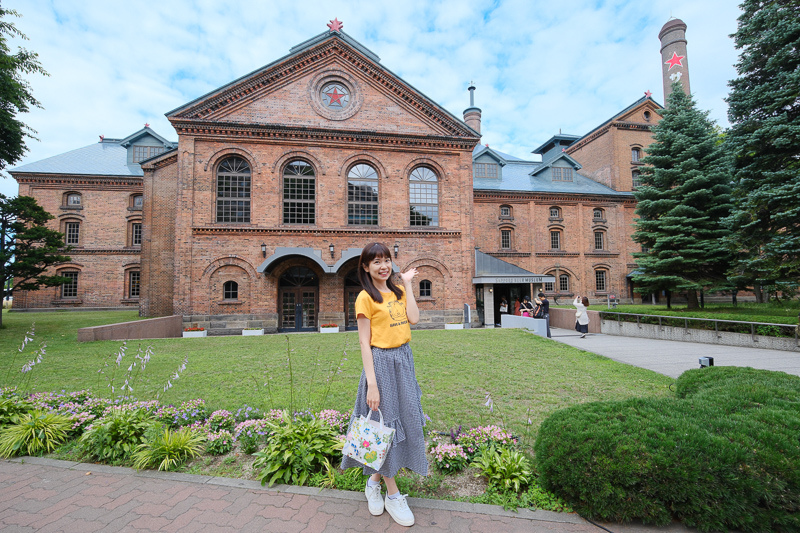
(736, 326)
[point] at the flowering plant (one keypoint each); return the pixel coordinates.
(219, 442)
(221, 420)
(251, 433)
(335, 419)
(329, 326)
(194, 329)
(188, 413)
(449, 458)
(473, 439)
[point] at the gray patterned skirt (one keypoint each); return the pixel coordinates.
(401, 408)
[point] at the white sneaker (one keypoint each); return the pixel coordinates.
(399, 510)
(374, 499)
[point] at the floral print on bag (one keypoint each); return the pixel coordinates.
(368, 442)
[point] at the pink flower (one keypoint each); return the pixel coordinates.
(365, 444)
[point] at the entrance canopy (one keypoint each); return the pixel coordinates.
(491, 270)
(282, 253)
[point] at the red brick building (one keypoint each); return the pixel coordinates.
(256, 216)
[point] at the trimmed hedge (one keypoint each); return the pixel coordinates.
(724, 454)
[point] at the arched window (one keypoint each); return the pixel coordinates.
(600, 280)
(230, 290)
(563, 283)
(425, 288)
(555, 212)
(362, 195)
(233, 191)
(424, 197)
(73, 199)
(299, 193)
(505, 239)
(505, 211)
(636, 154)
(599, 240)
(597, 214)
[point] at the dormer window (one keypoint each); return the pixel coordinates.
(485, 170)
(562, 174)
(140, 153)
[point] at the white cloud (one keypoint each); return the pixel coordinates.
(538, 66)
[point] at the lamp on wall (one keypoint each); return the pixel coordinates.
(264, 250)
(396, 249)
(330, 247)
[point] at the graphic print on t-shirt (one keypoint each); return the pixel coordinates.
(398, 313)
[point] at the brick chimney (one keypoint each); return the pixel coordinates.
(674, 61)
(472, 114)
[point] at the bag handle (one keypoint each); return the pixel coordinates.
(381, 417)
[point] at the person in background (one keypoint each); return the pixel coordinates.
(503, 308)
(545, 303)
(581, 316)
(516, 306)
(526, 308)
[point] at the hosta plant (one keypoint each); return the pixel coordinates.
(115, 437)
(296, 450)
(11, 409)
(35, 432)
(506, 469)
(169, 449)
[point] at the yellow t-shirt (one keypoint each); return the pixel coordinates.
(387, 320)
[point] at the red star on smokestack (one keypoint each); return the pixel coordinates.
(674, 61)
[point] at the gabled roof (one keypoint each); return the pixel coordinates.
(637, 103)
(557, 157)
(304, 56)
(144, 132)
(501, 157)
(562, 138)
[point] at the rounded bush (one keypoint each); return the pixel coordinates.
(723, 455)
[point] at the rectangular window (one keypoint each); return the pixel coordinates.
(505, 211)
(74, 199)
(140, 153)
(561, 174)
(424, 197)
(505, 239)
(555, 212)
(136, 234)
(598, 240)
(636, 180)
(362, 202)
(138, 201)
(134, 283)
(299, 194)
(233, 198)
(485, 170)
(548, 286)
(73, 232)
(69, 289)
(563, 283)
(600, 280)
(555, 240)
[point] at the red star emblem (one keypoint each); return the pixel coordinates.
(648, 94)
(335, 24)
(146, 125)
(675, 60)
(336, 97)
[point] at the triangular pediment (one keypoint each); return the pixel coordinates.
(638, 112)
(299, 91)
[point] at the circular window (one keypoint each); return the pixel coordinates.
(647, 115)
(334, 94)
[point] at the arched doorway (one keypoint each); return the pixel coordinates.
(298, 293)
(351, 289)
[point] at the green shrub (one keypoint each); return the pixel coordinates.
(724, 455)
(114, 438)
(168, 449)
(331, 477)
(533, 498)
(35, 432)
(296, 450)
(504, 468)
(219, 442)
(11, 409)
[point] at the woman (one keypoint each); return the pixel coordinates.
(581, 315)
(527, 307)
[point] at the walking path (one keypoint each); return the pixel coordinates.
(672, 358)
(49, 496)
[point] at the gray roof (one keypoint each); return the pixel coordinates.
(481, 149)
(105, 158)
(516, 177)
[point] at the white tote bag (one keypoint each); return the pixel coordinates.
(368, 441)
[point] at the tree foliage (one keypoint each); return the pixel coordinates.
(684, 195)
(15, 93)
(27, 246)
(764, 111)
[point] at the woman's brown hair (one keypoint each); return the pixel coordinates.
(585, 301)
(370, 252)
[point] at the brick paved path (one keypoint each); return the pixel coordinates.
(46, 495)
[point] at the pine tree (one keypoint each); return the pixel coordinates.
(764, 111)
(685, 194)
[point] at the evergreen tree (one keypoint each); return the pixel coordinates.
(764, 111)
(27, 246)
(685, 194)
(15, 93)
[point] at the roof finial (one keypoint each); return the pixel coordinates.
(335, 25)
(102, 137)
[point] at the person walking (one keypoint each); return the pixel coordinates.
(542, 301)
(388, 381)
(581, 316)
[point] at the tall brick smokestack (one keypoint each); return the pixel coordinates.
(472, 114)
(674, 60)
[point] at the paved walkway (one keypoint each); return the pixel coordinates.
(672, 358)
(49, 496)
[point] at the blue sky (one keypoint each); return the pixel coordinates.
(539, 67)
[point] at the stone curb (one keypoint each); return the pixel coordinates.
(446, 505)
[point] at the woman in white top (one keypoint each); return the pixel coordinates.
(581, 316)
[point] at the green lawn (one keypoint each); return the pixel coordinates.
(526, 376)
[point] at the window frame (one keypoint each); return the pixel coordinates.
(299, 202)
(508, 214)
(137, 284)
(563, 283)
(557, 211)
(636, 179)
(140, 152)
(235, 205)
(133, 233)
(229, 288)
(77, 233)
(506, 239)
(549, 286)
(420, 177)
(134, 198)
(354, 203)
(425, 288)
(555, 238)
(600, 238)
(600, 280)
(71, 286)
(68, 196)
(562, 173)
(636, 154)
(485, 170)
